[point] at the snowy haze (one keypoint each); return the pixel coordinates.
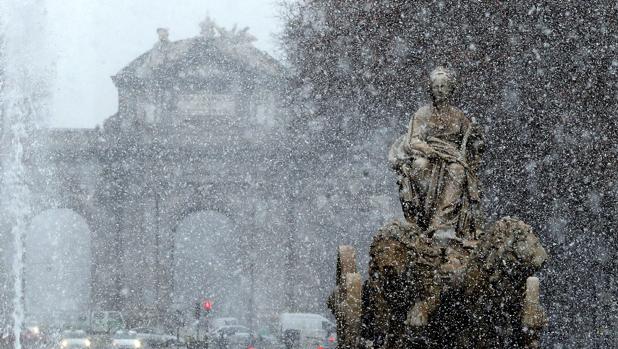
(245, 191)
(93, 40)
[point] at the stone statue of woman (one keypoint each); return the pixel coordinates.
(436, 161)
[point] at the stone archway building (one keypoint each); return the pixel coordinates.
(199, 127)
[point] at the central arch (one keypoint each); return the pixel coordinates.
(208, 263)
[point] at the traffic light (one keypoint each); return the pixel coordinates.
(207, 305)
(203, 307)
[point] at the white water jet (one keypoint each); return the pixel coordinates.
(24, 76)
(17, 208)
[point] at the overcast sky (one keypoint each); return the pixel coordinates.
(92, 40)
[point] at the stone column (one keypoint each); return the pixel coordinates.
(103, 229)
(164, 267)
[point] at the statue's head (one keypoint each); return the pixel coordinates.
(442, 84)
(388, 249)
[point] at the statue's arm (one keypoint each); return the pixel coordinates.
(417, 136)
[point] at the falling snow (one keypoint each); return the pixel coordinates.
(209, 207)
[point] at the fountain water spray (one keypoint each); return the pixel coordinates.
(17, 207)
(24, 74)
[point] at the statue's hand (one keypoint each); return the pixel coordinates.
(425, 150)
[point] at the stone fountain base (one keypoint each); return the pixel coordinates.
(428, 293)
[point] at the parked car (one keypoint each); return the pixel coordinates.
(31, 337)
(233, 337)
(216, 323)
(304, 330)
(126, 340)
(71, 339)
(154, 337)
(268, 342)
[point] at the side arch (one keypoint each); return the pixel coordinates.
(58, 267)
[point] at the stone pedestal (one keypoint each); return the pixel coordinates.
(426, 293)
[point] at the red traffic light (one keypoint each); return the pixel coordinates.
(207, 305)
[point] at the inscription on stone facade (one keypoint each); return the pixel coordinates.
(206, 104)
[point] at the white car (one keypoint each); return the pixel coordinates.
(74, 339)
(126, 340)
(154, 336)
(219, 322)
(232, 337)
(304, 329)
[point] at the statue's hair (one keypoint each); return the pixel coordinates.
(442, 71)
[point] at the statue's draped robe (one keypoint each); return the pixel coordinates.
(440, 191)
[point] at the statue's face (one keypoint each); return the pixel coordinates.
(441, 89)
